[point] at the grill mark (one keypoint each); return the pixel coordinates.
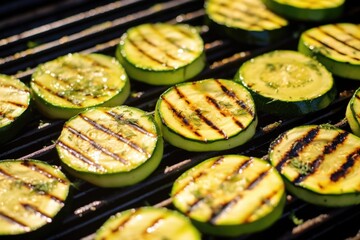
(80, 156)
(337, 39)
(42, 171)
(94, 62)
(153, 225)
(182, 118)
(113, 134)
(31, 187)
(330, 47)
(119, 117)
(219, 108)
(297, 146)
(143, 52)
(96, 145)
(14, 221)
(15, 104)
(345, 167)
(232, 95)
(35, 209)
(237, 19)
(329, 148)
(15, 88)
(123, 223)
(338, 26)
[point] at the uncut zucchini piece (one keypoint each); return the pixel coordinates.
(287, 83)
(230, 195)
(247, 21)
(319, 163)
(161, 54)
(353, 112)
(307, 10)
(336, 46)
(148, 223)
(206, 115)
(32, 194)
(111, 147)
(14, 106)
(69, 84)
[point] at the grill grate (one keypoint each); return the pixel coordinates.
(95, 26)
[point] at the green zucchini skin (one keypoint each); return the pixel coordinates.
(15, 107)
(230, 195)
(339, 57)
(40, 193)
(309, 13)
(111, 146)
(318, 164)
(261, 35)
(161, 54)
(148, 223)
(69, 84)
(206, 115)
(353, 112)
(271, 92)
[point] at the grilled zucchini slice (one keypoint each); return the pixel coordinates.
(319, 163)
(307, 10)
(111, 146)
(32, 194)
(353, 112)
(69, 84)
(247, 21)
(336, 46)
(148, 223)
(161, 53)
(287, 83)
(206, 115)
(14, 106)
(230, 195)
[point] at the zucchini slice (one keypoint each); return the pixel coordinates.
(111, 146)
(69, 84)
(247, 21)
(14, 106)
(307, 10)
(287, 83)
(32, 194)
(319, 163)
(148, 223)
(161, 54)
(230, 195)
(336, 46)
(206, 115)
(353, 113)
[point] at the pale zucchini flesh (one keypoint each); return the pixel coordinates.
(247, 21)
(206, 115)
(162, 54)
(319, 164)
(111, 146)
(148, 223)
(336, 46)
(230, 195)
(69, 84)
(32, 194)
(287, 83)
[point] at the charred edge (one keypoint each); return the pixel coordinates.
(124, 222)
(329, 148)
(143, 52)
(56, 93)
(152, 225)
(111, 133)
(297, 146)
(232, 95)
(32, 187)
(79, 156)
(42, 171)
(14, 221)
(200, 174)
(219, 108)
(330, 47)
(337, 39)
(119, 117)
(36, 210)
(96, 145)
(182, 118)
(338, 26)
(345, 167)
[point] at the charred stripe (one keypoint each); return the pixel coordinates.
(125, 221)
(36, 210)
(37, 168)
(238, 19)
(152, 226)
(344, 30)
(15, 104)
(346, 166)
(94, 62)
(4, 85)
(320, 29)
(14, 221)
